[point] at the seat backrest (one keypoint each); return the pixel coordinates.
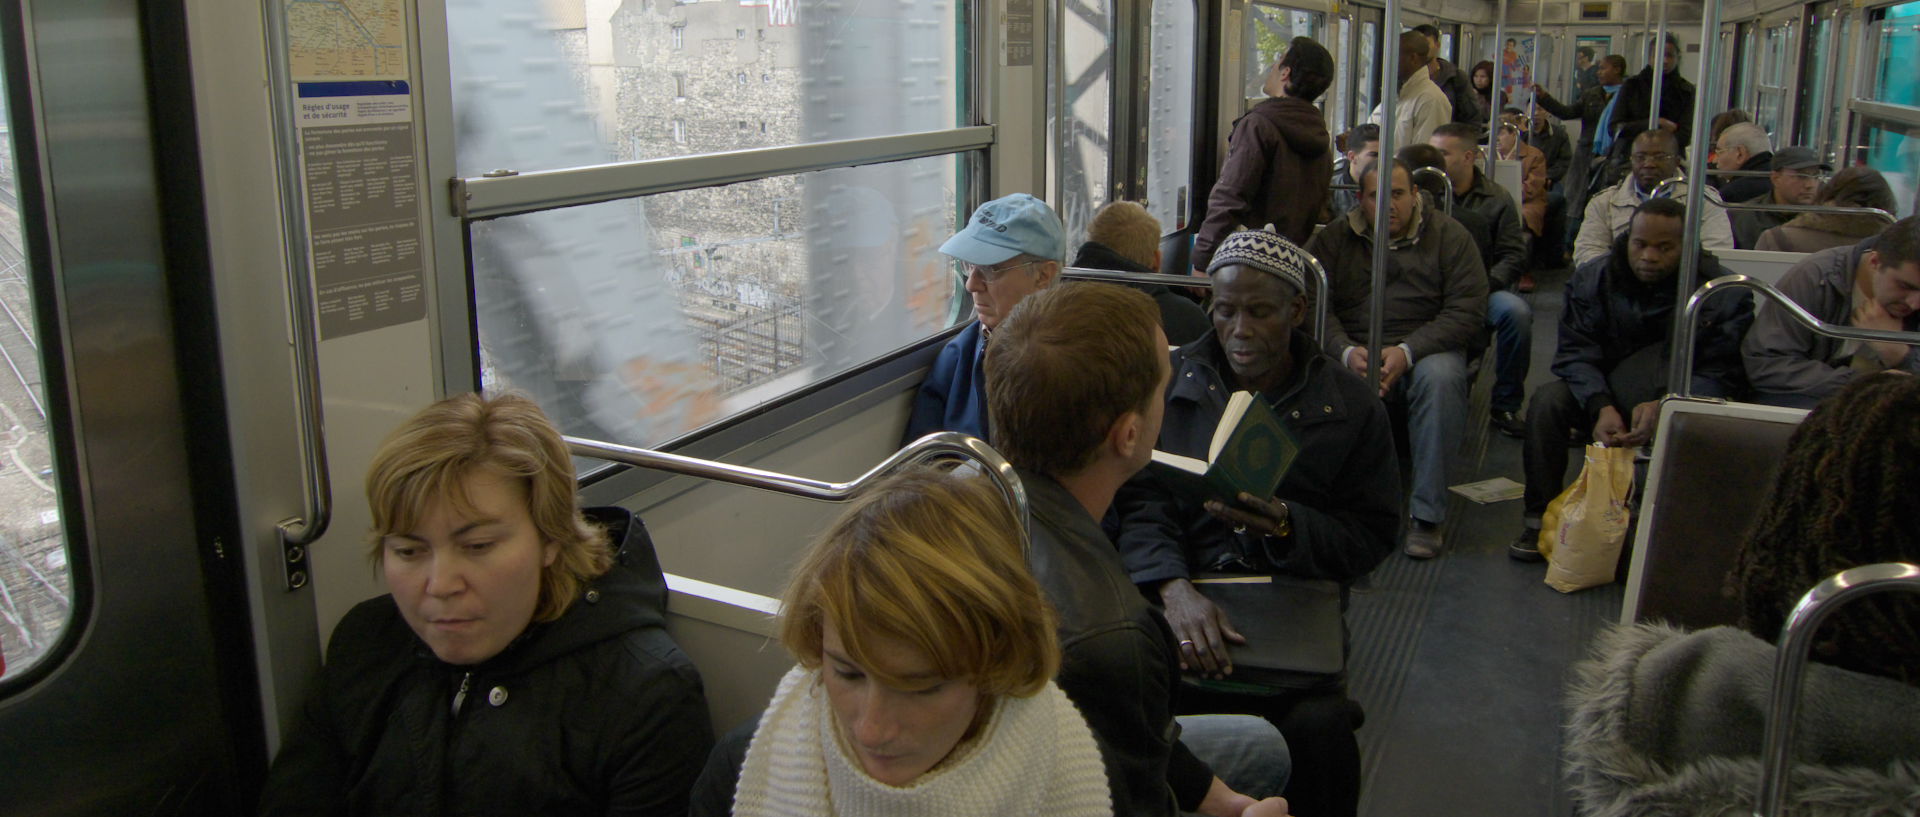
(1713, 464)
(1765, 265)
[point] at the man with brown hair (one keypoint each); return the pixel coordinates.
(1074, 378)
(1277, 156)
(1124, 237)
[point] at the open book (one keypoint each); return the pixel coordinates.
(1250, 452)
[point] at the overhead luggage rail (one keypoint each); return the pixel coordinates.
(1790, 665)
(1811, 208)
(1680, 378)
(926, 448)
(1119, 277)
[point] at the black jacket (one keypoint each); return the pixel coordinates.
(1466, 103)
(1182, 319)
(1636, 99)
(1610, 314)
(1342, 493)
(1748, 188)
(1587, 108)
(595, 713)
(1558, 149)
(1276, 157)
(1504, 252)
(1117, 659)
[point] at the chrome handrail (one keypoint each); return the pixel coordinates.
(1790, 665)
(1811, 208)
(1660, 191)
(1446, 183)
(1740, 174)
(922, 450)
(1680, 384)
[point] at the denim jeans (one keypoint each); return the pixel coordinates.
(1436, 396)
(1512, 322)
(1245, 751)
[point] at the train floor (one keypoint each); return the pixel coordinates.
(1460, 661)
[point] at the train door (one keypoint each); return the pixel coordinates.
(1886, 133)
(1082, 110)
(128, 687)
(1775, 76)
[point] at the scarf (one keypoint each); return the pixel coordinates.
(1602, 130)
(1032, 756)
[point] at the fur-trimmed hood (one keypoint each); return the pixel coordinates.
(1666, 723)
(1851, 225)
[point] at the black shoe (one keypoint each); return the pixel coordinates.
(1527, 547)
(1423, 540)
(1509, 424)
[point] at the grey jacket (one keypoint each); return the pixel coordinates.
(1436, 296)
(1784, 357)
(1666, 722)
(1509, 250)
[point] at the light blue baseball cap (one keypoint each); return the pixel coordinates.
(1006, 227)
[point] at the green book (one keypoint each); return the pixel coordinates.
(1250, 452)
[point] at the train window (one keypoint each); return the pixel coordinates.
(894, 70)
(36, 586)
(1169, 147)
(1366, 83)
(1269, 31)
(1815, 108)
(1775, 73)
(1340, 109)
(1082, 108)
(1895, 80)
(641, 319)
(1894, 150)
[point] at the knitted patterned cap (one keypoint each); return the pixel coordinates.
(1266, 251)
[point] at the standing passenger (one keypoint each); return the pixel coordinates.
(1448, 77)
(1676, 96)
(1276, 157)
(1588, 108)
(1074, 381)
(1422, 106)
(1012, 247)
(521, 664)
(924, 685)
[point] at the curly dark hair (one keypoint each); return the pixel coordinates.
(1844, 498)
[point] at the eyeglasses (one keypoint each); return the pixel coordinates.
(988, 275)
(1650, 158)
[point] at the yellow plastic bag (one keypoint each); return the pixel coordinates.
(1584, 527)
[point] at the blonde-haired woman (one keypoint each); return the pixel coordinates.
(924, 685)
(519, 665)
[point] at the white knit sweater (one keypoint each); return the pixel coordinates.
(1033, 756)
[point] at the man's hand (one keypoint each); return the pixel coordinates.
(1610, 428)
(1645, 417)
(1357, 360)
(1668, 125)
(1266, 517)
(1270, 807)
(1393, 364)
(1871, 315)
(1201, 626)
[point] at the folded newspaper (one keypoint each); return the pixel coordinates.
(1487, 491)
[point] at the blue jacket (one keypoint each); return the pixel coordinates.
(954, 395)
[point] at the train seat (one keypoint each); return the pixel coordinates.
(1713, 464)
(1765, 265)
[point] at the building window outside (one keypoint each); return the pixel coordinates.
(679, 33)
(679, 131)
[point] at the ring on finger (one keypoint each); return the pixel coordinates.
(1238, 529)
(1185, 643)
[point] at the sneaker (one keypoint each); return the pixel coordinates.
(1423, 540)
(1509, 424)
(1527, 547)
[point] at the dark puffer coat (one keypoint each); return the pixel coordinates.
(595, 713)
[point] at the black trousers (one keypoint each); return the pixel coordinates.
(1318, 726)
(1554, 416)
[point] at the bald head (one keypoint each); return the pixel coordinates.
(1415, 52)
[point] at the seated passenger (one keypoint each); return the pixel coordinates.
(520, 666)
(1508, 314)
(1854, 186)
(1532, 194)
(1742, 146)
(1123, 236)
(1276, 155)
(1874, 284)
(1796, 180)
(926, 658)
(1656, 158)
(1668, 722)
(1333, 516)
(1436, 304)
(1362, 150)
(1612, 357)
(1436, 191)
(1010, 248)
(1551, 139)
(1074, 379)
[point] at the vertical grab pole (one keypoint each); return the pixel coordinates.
(1493, 88)
(1696, 191)
(1659, 62)
(1383, 183)
(1539, 29)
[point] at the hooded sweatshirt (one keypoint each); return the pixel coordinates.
(1278, 159)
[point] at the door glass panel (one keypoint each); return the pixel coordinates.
(1368, 84)
(1169, 147)
(1894, 150)
(1895, 80)
(1813, 108)
(36, 585)
(1085, 106)
(1340, 113)
(1269, 29)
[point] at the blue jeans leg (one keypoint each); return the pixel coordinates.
(1512, 322)
(1436, 421)
(1245, 751)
